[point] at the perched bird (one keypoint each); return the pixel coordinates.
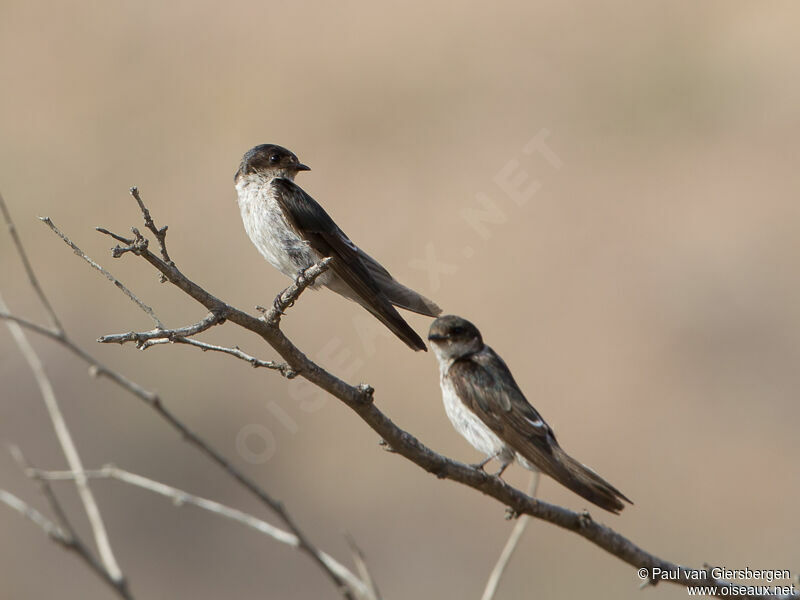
(292, 231)
(487, 407)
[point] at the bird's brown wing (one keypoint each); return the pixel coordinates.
(485, 384)
(315, 225)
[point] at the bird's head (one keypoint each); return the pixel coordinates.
(452, 337)
(270, 160)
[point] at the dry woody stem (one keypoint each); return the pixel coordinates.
(359, 398)
(349, 586)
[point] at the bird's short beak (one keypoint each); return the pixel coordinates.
(436, 337)
(301, 167)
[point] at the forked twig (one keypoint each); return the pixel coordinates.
(64, 533)
(284, 369)
(68, 447)
(360, 587)
(161, 234)
(164, 334)
(153, 400)
(149, 311)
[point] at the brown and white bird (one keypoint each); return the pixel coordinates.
(487, 407)
(293, 232)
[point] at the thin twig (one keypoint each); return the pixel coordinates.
(289, 296)
(140, 338)
(71, 540)
(23, 256)
(119, 238)
(180, 498)
(149, 311)
(284, 369)
(33, 515)
(58, 535)
(360, 400)
(363, 569)
(153, 400)
(68, 447)
(511, 544)
(35, 327)
(161, 234)
(98, 369)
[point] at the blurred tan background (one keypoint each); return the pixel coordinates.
(646, 297)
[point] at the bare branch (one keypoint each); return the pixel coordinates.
(23, 256)
(284, 369)
(66, 535)
(511, 544)
(363, 569)
(161, 234)
(119, 238)
(109, 276)
(41, 329)
(61, 537)
(96, 369)
(68, 447)
(47, 492)
(180, 498)
(360, 400)
(289, 296)
(165, 334)
(33, 515)
(153, 400)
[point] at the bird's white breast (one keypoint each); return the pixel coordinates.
(269, 230)
(466, 422)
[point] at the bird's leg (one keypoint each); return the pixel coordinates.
(299, 280)
(503, 467)
(485, 461)
(506, 457)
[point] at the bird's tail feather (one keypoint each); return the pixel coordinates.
(381, 308)
(396, 292)
(404, 297)
(585, 482)
(389, 316)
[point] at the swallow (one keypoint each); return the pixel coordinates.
(486, 406)
(293, 232)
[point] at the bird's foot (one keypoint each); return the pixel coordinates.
(502, 469)
(279, 306)
(480, 466)
(300, 278)
(510, 514)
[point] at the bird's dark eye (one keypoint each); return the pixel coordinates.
(274, 158)
(457, 330)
